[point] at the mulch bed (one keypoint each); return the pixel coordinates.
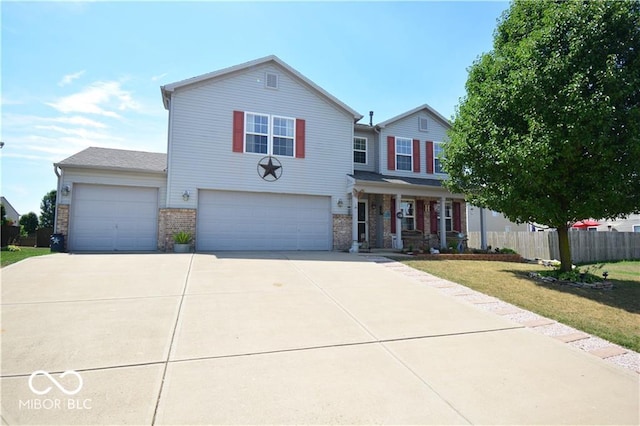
(497, 257)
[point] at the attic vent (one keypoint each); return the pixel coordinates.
(271, 80)
(423, 124)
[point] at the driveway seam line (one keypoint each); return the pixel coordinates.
(173, 336)
(275, 351)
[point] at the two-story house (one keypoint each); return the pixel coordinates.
(261, 158)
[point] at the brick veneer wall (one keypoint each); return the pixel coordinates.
(172, 221)
(62, 221)
(341, 231)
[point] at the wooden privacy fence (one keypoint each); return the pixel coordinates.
(586, 246)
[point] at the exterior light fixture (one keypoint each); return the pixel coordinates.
(186, 195)
(340, 202)
(66, 190)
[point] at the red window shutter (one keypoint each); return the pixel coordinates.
(391, 152)
(238, 131)
(457, 218)
(300, 137)
(420, 215)
(433, 217)
(430, 157)
(416, 156)
(393, 215)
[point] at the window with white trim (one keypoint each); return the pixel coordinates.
(269, 134)
(404, 154)
(448, 216)
(438, 156)
(360, 150)
(636, 228)
(407, 207)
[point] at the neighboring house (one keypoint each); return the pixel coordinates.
(629, 224)
(493, 221)
(261, 158)
(11, 213)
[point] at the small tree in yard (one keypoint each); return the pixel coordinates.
(549, 130)
(30, 222)
(48, 210)
(3, 214)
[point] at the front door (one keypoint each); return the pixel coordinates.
(363, 228)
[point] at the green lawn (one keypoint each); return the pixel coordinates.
(613, 315)
(9, 257)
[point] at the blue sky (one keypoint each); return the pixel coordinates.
(79, 74)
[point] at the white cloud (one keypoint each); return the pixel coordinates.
(158, 77)
(67, 79)
(100, 98)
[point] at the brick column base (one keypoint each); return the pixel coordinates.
(172, 221)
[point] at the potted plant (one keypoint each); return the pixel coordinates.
(182, 242)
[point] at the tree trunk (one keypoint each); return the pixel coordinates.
(565, 249)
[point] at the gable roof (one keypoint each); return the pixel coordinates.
(9, 210)
(117, 159)
(168, 89)
(413, 111)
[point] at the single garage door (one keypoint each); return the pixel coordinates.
(255, 221)
(111, 218)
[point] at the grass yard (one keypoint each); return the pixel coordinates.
(9, 257)
(613, 315)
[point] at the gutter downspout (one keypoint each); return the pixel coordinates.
(55, 211)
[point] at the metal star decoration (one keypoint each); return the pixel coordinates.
(270, 171)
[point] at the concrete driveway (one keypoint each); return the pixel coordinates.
(278, 338)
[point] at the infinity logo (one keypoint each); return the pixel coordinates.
(55, 382)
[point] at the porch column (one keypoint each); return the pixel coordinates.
(483, 231)
(354, 224)
(398, 222)
(443, 222)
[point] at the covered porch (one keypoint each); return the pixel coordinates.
(398, 212)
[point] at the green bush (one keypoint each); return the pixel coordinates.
(182, 238)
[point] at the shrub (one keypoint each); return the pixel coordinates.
(182, 238)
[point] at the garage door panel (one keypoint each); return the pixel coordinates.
(256, 221)
(109, 218)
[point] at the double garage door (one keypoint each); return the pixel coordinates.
(113, 218)
(256, 221)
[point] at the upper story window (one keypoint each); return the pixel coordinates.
(360, 150)
(404, 154)
(269, 134)
(438, 156)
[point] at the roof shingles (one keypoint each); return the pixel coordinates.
(106, 158)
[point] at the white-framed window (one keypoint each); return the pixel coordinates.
(404, 154)
(438, 156)
(283, 134)
(360, 150)
(407, 207)
(448, 216)
(423, 124)
(636, 228)
(592, 228)
(269, 134)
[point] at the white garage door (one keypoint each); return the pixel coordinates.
(110, 218)
(255, 221)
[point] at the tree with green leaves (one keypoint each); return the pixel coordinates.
(48, 210)
(30, 222)
(549, 130)
(3, 214)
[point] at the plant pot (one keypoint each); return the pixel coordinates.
(181, 248)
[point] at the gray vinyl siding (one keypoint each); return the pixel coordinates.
(201, 136)
(73, 176)
(372, 152)
(408, 128)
